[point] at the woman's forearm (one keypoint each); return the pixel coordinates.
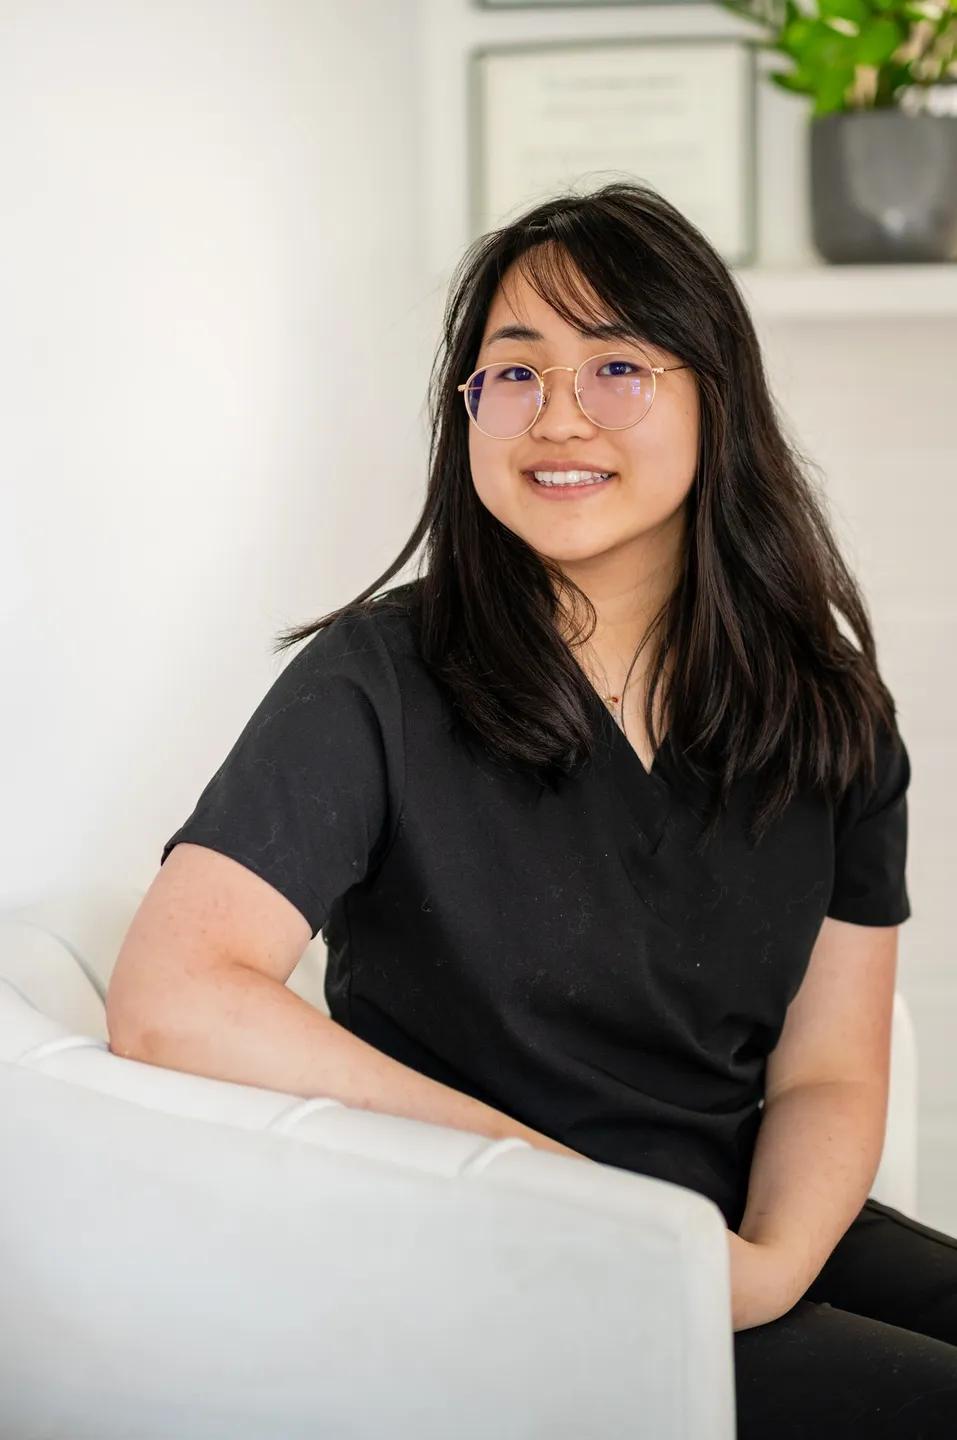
(233, 1023)
(816, 1156)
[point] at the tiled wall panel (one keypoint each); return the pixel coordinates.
(871, 403)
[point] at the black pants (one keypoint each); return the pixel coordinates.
(869, 1352)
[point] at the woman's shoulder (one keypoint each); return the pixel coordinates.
(348, 677)
(384, 626)
(361, 659)
(881, 786)
(394, 616)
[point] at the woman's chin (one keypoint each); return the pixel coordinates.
(578, 552)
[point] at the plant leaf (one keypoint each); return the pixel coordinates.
(831, 90)
(795, 81)
(878, 41)
(857, 11)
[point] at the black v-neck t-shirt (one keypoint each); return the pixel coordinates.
(558, 952)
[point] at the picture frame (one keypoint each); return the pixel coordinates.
(675, 112)
(569, 4)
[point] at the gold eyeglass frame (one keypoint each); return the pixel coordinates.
(654, 371)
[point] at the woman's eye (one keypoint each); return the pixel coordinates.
(523, 375)
(621, 367)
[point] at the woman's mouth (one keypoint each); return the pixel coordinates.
(568, 484)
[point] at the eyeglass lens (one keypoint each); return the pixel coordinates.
(504, 400)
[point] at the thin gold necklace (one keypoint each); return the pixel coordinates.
(614, 702)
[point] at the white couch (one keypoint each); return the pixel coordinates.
(193, 1259)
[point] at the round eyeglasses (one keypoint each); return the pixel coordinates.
(613, 391)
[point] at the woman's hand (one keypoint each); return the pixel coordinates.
(762, 1284)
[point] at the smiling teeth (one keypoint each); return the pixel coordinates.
(571, 477)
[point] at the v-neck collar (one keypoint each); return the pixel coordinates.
(655, 770)
(644, 795)
(616, 737)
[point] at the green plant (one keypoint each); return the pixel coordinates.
(857, 54)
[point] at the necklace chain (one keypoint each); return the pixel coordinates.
(614, 704)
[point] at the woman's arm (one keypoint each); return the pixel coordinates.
(199, 986)
(822, 1133)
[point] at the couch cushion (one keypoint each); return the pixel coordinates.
(50, 976)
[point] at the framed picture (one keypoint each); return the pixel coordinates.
(567, 4)
(677, 114)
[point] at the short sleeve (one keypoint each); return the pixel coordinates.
(308, 796)
(870, 841)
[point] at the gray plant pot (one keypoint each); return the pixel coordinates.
(884, 187)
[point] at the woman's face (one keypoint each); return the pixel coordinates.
(640, 510)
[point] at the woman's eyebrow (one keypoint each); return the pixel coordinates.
(590, 332)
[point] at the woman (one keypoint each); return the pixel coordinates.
(603, 816)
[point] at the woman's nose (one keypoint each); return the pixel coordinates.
(561, 412)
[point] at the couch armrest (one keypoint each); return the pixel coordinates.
(196, 1253)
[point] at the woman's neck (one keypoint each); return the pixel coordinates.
(626, 613)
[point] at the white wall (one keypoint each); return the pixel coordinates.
(210, 231)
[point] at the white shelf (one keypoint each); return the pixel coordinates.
(832, 292)
(819, 292)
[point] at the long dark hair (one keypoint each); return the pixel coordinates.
(760, 678)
